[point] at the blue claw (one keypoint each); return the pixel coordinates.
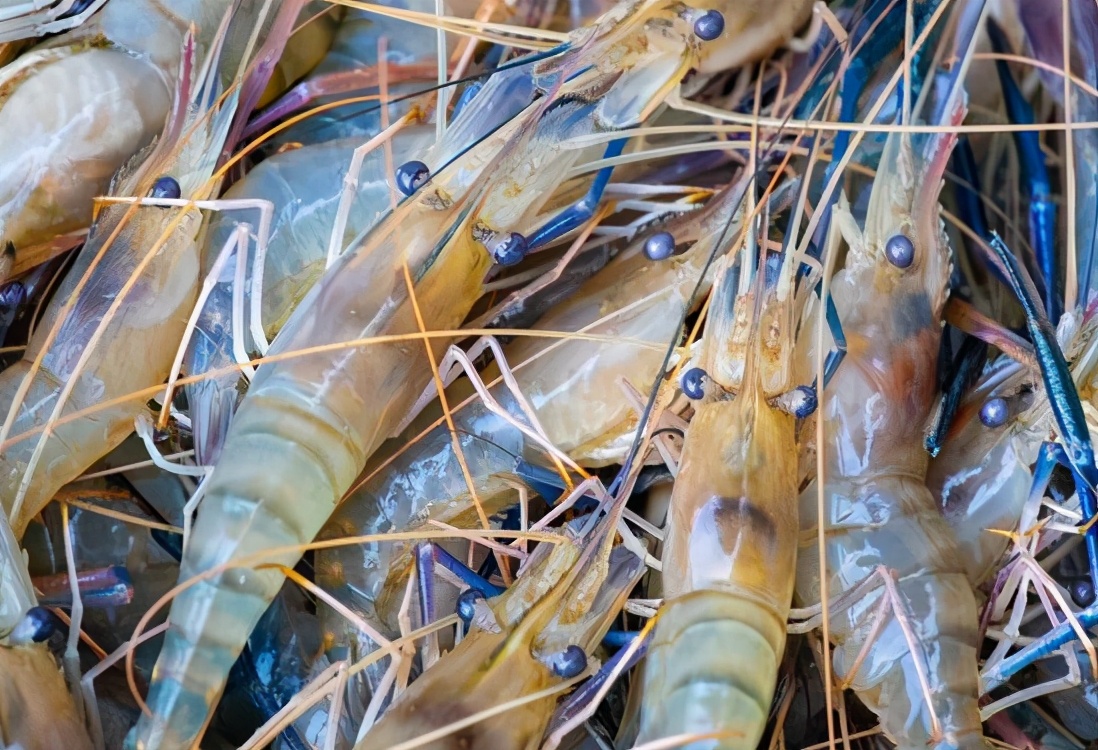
(1040, 648)
(576, 215)
(1062, 395)
(835, 358)
(1042, 211)
(959, 377)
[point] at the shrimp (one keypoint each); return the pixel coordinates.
(306, 427)
(572, 387)
(304, 187)
(983, 477)
(729, 558)
(36, 708)
(548, 622)
(88, 348)
(878, 510)
(56, 155)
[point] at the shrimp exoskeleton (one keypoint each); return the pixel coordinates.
(309, 423)
(729, 558)
(878, 510)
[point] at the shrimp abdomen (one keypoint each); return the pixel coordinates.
(247, 510)
(697, 683)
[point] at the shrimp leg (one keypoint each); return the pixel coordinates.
(582, 211)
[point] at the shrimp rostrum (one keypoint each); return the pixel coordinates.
(878, 515)
(309, 422)
(731, 543)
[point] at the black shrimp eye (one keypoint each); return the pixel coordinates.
(659, 246)
(411, 175)
(709, 25)
(1082, 592)
(37, 625)
(510, 250)
(900, 250)
(467, 605)
(165, 187)
(994, 412)
(693, 383)
(569, 662)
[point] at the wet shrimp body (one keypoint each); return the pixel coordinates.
(634, 306)
(76, 108)
(728, 564)
(309, 423)
(563, 604)
(878, 509)
(304, 188)
(116, 321)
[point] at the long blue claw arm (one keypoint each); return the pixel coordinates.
(579, 213)
(960, 375)
(967, 189)
(1042, 211)
(970, 208)
(1062, 395)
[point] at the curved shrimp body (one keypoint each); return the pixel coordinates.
(983, 478)
(877, 508)
(309, 423)
(91, 348)
(730, 549)
(304, 188)
(568, 597)
(76, 108)
(634, 306)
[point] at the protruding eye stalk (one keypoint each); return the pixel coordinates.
(467, 605)
(166, 187)
(693, 383)
(659, 246)
(37, 625)
(801, 402)
(411, 176)
(509, 249)
(568, 663)
(994, 412)
(708, 25)
(900, 250)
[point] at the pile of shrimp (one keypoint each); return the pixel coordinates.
(536, 374)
